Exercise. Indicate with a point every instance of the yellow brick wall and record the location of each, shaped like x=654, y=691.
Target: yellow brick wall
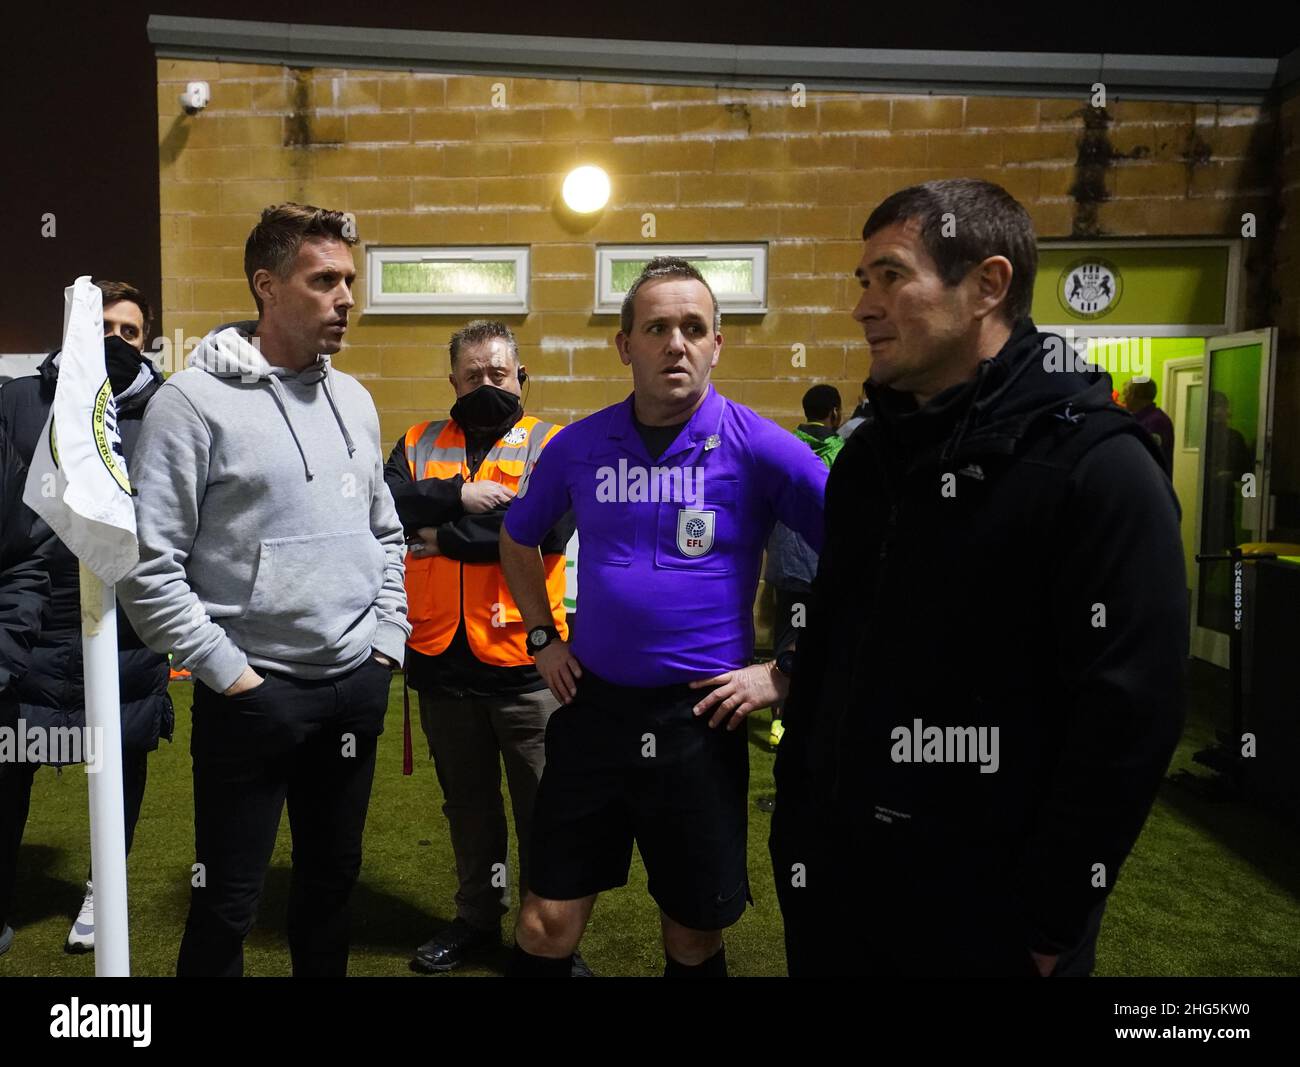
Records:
x=429, y=159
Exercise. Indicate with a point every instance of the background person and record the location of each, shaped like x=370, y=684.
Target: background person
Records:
x=1140, y=399
x=791, y=561
x=24, y=602
x=51, y=695
x=857, y=416
x=481, y=698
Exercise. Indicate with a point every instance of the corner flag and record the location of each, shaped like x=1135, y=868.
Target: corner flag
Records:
x=78, y=481
x=78, y=484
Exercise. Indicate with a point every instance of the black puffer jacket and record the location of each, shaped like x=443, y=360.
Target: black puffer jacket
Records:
x=25, y=542
x=1009, y=556
x=51, y=693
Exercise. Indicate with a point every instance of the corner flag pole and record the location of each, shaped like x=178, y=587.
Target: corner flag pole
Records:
x=107, y=821
x=78, y=483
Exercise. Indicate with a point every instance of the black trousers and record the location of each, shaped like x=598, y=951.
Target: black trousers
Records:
x=15, y=803
x=469, y=738
x=312, y=745
x=806, y=889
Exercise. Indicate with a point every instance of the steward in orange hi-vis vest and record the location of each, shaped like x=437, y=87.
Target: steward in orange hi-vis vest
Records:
x=483, y=705
x=443, y=590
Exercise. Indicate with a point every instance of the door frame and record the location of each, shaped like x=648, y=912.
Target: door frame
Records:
x=1172, y=366
x=1210, y=644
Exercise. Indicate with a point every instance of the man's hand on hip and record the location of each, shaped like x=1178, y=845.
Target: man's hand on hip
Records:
x=740, y=692
x=559, y=670
x=250, y=679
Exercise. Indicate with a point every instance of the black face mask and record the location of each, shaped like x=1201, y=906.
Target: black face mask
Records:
x=487, y=410
x=123, y=363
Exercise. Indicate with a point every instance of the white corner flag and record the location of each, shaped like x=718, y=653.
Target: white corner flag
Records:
x=78, y=484
x=78, y=481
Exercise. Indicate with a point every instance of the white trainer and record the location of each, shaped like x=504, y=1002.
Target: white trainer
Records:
x=81, y=938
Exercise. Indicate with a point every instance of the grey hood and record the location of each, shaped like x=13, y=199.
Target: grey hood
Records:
x=232, y=351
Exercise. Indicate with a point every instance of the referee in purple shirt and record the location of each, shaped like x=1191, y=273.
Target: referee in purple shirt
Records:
x=674, y=492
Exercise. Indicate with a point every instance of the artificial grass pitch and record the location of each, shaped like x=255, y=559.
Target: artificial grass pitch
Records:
x=1212, y=888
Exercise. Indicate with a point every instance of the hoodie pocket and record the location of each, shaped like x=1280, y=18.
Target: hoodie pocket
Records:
x=310, y=592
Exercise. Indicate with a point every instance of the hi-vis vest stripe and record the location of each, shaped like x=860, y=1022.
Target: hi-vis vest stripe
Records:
x=439, y=589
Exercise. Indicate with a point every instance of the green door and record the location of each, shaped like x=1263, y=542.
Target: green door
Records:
x=1234, y=475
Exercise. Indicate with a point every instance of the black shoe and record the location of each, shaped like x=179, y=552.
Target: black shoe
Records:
x=580, y=968
x=452, y=946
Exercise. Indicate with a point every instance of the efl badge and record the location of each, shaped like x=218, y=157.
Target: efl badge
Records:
x=516, y=436
x=695, y=531
x=1090, y=287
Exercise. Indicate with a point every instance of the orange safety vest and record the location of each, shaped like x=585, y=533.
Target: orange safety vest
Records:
x=439, y=590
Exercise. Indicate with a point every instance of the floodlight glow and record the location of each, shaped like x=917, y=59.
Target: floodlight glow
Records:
x=586, y=189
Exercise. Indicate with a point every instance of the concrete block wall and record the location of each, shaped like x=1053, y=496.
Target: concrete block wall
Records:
x=444, y=159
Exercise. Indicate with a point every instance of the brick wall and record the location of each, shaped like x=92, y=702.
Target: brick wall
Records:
x=423, y=158
x=1282, y=309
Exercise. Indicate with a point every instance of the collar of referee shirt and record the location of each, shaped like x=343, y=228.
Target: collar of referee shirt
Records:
x=702, y=426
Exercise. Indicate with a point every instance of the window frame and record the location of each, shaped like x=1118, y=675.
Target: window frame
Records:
x=607, y=302
x=381, y=303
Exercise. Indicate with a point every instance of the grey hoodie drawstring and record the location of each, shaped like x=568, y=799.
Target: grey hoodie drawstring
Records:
x=277, y=390
x=227, y=351
x=329, y=395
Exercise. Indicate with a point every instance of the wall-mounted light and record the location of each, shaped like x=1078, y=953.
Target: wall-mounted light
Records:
x=196, y=97
x=586, y=189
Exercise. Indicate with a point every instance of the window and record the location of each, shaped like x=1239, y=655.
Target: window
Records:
x=447, y=281
x=736, y=273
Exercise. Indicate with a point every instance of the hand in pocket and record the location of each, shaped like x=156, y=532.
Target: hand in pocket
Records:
x=245, y=683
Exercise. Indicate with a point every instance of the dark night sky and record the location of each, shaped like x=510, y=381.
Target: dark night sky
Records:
x=80, y=111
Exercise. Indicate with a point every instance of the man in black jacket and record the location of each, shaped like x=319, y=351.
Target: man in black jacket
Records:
x=990, y=685
x=50, y=695
x=24, y=601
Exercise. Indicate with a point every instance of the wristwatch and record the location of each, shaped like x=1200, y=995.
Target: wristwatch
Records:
x=785, y=662
x=541, y=636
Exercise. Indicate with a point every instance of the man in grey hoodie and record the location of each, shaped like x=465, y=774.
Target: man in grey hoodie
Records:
x=271, y=563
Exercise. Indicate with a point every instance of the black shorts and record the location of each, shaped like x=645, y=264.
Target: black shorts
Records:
x=629, y=764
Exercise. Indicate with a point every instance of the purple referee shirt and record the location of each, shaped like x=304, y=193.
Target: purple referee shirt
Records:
x=669, y=549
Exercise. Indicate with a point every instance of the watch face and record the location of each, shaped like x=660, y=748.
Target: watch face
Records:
x=537, y=638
